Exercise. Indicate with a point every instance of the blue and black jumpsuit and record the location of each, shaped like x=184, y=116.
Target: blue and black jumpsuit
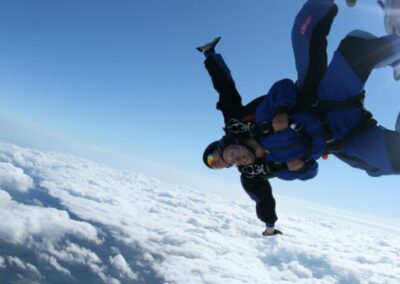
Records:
x=230, y=103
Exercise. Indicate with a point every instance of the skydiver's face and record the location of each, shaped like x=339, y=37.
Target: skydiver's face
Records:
x=238, y=155
x=218, y=162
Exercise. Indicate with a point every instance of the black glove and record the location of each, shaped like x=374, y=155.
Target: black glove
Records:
x=271, y=232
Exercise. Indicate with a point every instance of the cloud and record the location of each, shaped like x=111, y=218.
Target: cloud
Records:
x=121, y=265
x=20, y=223
x=123, y=226
x=13, y=178
x=15, y=261
x=53, y=262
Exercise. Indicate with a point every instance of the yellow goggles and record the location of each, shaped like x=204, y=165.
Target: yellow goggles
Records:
x=211, y=160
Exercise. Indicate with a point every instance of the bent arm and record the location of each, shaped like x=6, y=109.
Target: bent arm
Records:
x=281, y=98
x=309, y=171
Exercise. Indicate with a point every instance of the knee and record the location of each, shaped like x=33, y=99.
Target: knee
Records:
x=360, y=34
x=354, y=40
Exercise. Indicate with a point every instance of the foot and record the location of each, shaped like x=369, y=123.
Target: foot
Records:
x=396, y=70
x=392, y=16
x=351, y=3
x=209, y=46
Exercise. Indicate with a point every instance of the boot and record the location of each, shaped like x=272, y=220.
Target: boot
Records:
x=391, y=9
x=209, y=47
x=351, y=3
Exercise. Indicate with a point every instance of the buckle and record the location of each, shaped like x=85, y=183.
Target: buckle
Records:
x=329, y=140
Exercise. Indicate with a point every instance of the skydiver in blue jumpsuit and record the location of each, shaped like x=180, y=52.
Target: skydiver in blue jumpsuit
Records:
x=372, y=148
x=254, y=180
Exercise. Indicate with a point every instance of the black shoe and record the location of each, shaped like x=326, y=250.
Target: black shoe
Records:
x=351, y=3
x=209, y=46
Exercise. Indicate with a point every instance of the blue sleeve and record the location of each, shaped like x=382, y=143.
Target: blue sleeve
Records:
x=281, y=98
x=310, y=171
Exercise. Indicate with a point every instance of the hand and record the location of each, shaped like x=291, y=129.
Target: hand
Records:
x=280, y=121
x=271, y=232
x=295, y=165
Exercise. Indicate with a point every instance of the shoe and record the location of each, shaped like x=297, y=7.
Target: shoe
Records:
x=392, y=16
x=209, y=46
x=351, y=3
x=396, y=70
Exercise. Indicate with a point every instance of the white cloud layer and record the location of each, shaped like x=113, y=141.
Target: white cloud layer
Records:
x=13, y=178
x=87, y=222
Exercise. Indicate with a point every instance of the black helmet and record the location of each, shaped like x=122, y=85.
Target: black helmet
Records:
x=218, y=145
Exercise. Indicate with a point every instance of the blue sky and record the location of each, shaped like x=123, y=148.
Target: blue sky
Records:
x=124, y=76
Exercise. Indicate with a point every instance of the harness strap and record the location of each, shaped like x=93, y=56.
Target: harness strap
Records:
x=321, y=107
x=366, y=122
x=327, y=131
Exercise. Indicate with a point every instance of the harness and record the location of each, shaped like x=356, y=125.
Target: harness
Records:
x=321, y=108
x=245, y=129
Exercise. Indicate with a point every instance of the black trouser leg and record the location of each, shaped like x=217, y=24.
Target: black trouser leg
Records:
x=261, y=192
x=230, y=102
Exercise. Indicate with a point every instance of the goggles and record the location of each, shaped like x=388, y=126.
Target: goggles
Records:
x=211, y=160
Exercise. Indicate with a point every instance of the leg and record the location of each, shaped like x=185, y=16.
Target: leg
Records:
x=261, y=192
x=363, y=52
x=309, y=32
x=360, y=164
x=378, y=148
x=230, y=102
x=357, y=55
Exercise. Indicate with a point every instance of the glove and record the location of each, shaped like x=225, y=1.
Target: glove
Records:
x=271, y=232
